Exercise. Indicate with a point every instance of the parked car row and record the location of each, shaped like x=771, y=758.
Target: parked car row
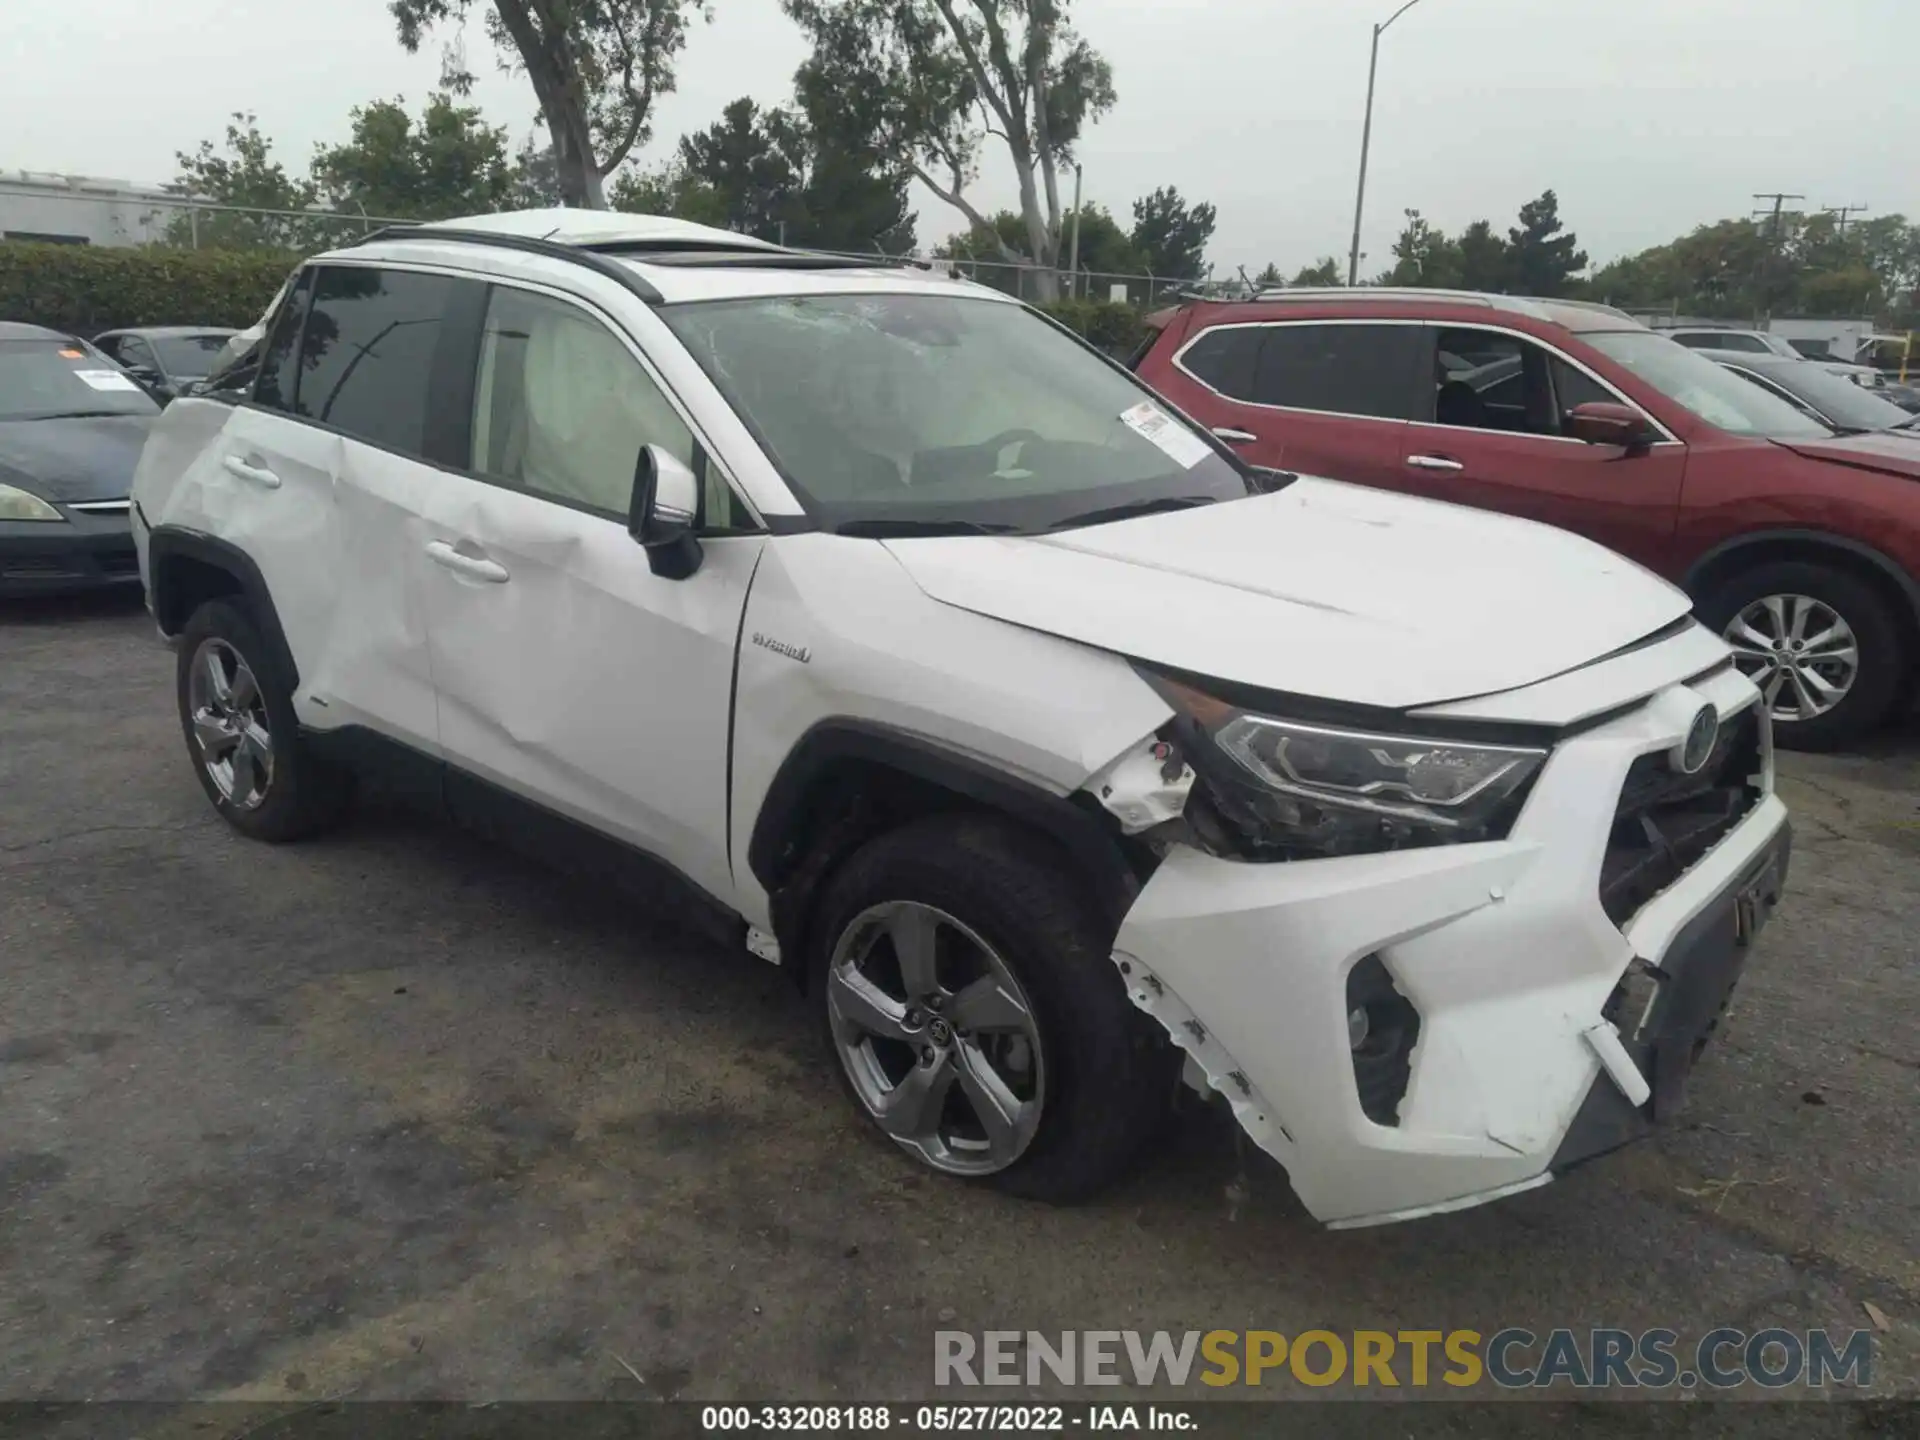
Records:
x=1722, y=492
x=167, y=360
x=1799, y=544
x=1759, y=342
x=74, y=415
x=72, y=424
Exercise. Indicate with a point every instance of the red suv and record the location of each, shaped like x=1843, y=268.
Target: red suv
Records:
x=1799, y=544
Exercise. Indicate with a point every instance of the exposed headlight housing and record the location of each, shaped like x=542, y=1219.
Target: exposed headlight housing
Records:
x=18, y=504
x=1313, y=788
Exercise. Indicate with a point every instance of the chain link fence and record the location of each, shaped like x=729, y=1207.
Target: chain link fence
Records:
x=74, y=211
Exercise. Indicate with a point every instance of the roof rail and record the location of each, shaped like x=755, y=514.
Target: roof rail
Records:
x=1535, y=306
x=719, y=257
x=601, y=257
x=621, y=275
x=1597, y=307
x=1378, y=292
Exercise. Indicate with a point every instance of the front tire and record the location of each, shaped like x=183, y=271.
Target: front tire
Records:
x=1823, y=645
x=236, y=711
x=974, y=1013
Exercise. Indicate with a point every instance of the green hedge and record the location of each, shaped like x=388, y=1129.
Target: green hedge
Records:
x=87, y=289
x=1115, y=328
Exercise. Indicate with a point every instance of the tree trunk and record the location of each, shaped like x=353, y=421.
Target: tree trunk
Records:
x=556, y=85
x=581, y=187
x=1043, y=234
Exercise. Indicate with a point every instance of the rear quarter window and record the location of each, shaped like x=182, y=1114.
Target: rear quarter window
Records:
x=1225, y=358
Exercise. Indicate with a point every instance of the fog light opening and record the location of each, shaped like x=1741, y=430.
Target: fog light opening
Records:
x=1382, y=1028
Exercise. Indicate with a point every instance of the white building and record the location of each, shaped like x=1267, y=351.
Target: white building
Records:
x=82, y=210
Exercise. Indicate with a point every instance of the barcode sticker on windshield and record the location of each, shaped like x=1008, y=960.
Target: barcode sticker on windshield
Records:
x=106, y=379
x=1175, y=441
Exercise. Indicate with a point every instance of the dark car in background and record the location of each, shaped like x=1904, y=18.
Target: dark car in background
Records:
x=1840, y=404
x=167, y=359
x=71, y=430
x=1799, y=545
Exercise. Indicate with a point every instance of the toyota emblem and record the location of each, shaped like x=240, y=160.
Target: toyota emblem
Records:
x=1702, y=735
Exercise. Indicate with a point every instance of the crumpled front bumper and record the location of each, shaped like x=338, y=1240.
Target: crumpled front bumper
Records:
x=1509, y=959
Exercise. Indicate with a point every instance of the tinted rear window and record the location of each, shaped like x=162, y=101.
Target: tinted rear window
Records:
x=1343, y=369
x=367, y=353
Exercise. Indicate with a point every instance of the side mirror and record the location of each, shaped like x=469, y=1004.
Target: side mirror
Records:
x=662, y=512
x=1600, y=422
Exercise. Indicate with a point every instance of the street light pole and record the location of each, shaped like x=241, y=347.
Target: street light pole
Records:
x=1366, y=137
x=1073, y=260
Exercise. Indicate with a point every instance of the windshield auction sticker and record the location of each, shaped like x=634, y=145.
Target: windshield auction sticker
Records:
x=106, y=379
x=1173, y=439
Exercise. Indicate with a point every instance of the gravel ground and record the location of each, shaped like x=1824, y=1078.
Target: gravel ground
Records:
x=397, y=1115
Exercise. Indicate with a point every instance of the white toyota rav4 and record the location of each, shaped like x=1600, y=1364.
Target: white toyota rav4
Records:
x=1057, y=755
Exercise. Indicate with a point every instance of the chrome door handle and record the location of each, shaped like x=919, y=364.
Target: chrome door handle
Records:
x=1233, y=436
x=252, y=474
x=472, y=566
x=1434, y=462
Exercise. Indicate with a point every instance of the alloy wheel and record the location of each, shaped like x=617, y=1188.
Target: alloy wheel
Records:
x=1800, y=652
x=230, y=727
x=937, y=1036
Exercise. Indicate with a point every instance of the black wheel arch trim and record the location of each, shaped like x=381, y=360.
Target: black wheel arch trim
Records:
x=1815, y=539
x=165, y=542
x=1095, y=850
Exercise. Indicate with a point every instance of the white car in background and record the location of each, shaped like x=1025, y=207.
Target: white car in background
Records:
x=1054, y=752
x=1759, y=342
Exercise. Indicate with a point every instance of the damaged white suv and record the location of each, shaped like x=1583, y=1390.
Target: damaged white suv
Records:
x=1056, y=754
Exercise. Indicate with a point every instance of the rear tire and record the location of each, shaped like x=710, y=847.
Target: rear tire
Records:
x=1002, y=903
x=1765, y=611
x=236, y=711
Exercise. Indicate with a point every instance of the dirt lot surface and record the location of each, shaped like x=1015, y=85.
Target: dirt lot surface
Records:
x=397, y=1114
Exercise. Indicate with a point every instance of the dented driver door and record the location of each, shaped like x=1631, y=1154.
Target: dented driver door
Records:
x=569, y=674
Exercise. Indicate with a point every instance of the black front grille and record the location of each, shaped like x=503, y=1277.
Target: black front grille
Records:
x=1666, y=820
x=119, y=562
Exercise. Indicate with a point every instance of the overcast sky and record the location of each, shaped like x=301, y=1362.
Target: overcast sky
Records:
x=1647, y=116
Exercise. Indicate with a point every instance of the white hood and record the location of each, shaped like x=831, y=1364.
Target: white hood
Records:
x=1323, y=589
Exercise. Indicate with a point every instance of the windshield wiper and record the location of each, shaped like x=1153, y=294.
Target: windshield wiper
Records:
x=1133, y=510
x=877, y=529
x=82, y=415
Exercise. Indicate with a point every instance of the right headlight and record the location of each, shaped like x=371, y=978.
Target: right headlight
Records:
x=18, y=504
x=1320, y=789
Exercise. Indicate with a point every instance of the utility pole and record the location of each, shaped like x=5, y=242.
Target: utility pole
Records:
x=1779, y=199
x=1770, y=260
x=1840, y=214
